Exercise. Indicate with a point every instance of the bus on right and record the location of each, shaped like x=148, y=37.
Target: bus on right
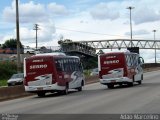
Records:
x=120, y=68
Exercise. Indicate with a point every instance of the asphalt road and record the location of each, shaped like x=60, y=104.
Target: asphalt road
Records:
x=94, y=99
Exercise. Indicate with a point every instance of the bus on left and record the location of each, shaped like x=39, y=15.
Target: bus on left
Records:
x=53, y=73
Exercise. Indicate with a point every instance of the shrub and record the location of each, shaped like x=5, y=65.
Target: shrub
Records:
x=7, y=69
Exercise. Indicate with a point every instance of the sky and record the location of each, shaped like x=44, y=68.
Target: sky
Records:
x=61, y=19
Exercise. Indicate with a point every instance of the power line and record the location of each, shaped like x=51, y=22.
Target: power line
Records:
x=87, y=32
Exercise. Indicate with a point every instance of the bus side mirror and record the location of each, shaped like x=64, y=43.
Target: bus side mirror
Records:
x=140, y=60
x=80, y=67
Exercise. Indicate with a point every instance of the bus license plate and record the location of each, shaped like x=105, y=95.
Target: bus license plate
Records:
x=40, y=88
x=113, y=81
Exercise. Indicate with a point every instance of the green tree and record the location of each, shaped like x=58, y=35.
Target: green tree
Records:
x=90, y=63
x=11, y=43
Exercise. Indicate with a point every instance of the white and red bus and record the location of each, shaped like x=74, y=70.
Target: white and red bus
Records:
x=49, y=73
x=120, y=68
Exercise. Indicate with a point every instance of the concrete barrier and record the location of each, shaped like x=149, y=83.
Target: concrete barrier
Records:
x=12, y=92
x=150, y=65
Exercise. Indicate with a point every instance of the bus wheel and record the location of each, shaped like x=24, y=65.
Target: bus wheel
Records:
x=130, y=84
x=28, y=52
x=142, y=77
x=139, y=82
x=41, y=94
x=65, y=92
x=110, y=86
x=80, y=88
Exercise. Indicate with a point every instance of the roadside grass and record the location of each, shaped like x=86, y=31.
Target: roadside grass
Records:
x=87, y=73
x=7, y=69
x=3, y=83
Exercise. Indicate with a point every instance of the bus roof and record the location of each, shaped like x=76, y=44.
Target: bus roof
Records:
x=55, y=55
x=51, y=54
x=127, y=52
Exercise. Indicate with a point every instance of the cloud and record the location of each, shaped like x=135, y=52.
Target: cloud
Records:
x=28, y=12
x=9, y=13
x=81, y=19
x=145, y=14
x=44, y=34
x=142, y=13
x=6, y=37
x=84, y=1
x=33, y=12
x=1, y=39
x=149, y=55
x=56, y=9
x=138, y=32
x=104, y=11
x=145, y=11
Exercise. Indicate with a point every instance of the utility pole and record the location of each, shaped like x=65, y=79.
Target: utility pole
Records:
x=130, y=8
x=18, y=39
x=36, y=28
x=154, y=31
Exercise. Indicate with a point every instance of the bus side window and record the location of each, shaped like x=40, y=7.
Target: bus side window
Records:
x=128, y=59
x=65, y=65
x=58, y=66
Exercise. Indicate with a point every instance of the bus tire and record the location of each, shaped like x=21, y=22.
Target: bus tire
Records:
x=41, y=94
x=142, y=77
x=110, y=86
x=28, y=52
x=80, y=88
x=130, y=84
x=139, y=82
x=120, y=84
x=65, y=92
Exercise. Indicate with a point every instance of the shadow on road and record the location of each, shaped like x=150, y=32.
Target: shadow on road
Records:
x=153, y=84
x=102, y=89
